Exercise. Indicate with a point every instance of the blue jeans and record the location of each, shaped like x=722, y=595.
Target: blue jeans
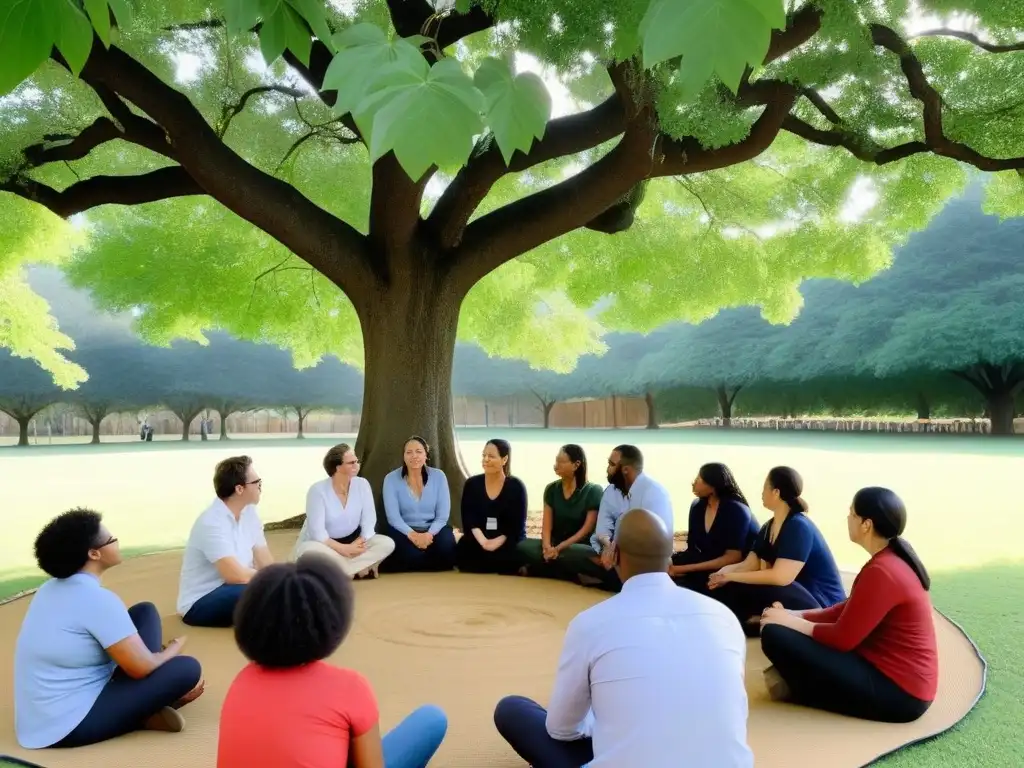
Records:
x=521, y=722
x=215, y=609
x=125, y=703
x=412, y=742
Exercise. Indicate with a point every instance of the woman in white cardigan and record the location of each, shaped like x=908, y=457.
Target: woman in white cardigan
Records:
x=341, y=517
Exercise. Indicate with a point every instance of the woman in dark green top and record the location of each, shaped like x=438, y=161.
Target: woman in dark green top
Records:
x=570, y=514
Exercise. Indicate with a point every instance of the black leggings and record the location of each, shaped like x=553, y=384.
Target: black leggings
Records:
x=836, y=681
x=125, y=704
x=748, y=601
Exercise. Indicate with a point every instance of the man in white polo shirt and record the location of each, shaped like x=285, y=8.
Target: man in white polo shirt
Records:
x=651, y=677
x=629, y=487
x=225, y=548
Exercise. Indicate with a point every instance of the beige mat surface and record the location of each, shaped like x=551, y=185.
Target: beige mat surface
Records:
x=463, y=641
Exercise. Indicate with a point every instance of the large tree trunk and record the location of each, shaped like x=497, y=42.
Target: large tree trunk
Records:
x=223, y=425
x=23, y=430
x=409, y=333
x=999, y=385
x=725, y=401
x=547, y=413
x=924, y=411
x=652, y=414
x=96, y=430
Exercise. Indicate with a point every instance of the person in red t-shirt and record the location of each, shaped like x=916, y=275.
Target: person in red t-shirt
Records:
x=289, y=708
x=874, y=655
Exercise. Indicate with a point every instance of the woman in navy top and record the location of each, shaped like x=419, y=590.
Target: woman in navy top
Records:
x=721, y=530
x=493, y=515
x=790, y=563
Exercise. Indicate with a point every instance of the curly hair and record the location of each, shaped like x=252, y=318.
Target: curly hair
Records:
x=62, y=547
x=292, y=614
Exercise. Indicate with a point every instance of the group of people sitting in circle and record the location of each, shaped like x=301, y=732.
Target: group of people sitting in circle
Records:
x=88, y=668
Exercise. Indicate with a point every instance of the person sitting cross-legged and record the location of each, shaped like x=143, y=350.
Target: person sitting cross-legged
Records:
x=790, y=563
x=651, y=677
x=873, y=656
x=86, y=668
x=341, y=517
x=570, y=515
x=288, y=707
x=629, y=487
x=418, y=503
x=225, y=547
x=493, y=515
x=721, y=528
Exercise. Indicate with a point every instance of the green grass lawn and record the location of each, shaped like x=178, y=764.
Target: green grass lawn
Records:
x=965, y=497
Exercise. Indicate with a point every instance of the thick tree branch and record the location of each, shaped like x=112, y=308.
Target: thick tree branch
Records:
x=269, y=203
x=394, y=212
x=564, y=136
x=514, y=229
x=800, y=27
x=93, y=192
x=57, y=148
x=856, y=145
x=931, y=101
x=972, y=38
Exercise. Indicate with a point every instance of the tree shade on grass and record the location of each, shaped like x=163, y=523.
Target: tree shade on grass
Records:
x=313, y=180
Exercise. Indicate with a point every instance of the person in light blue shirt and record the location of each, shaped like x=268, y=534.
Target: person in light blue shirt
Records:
x=629, y=487
x=417, y=503
x=86, y=668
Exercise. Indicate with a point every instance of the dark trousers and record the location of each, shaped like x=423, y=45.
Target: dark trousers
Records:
x=836, y=681
x=520, y=721
x=470, y=557
x=216, y=609
x=748, y=601
x=439, y=556
x=125, y=704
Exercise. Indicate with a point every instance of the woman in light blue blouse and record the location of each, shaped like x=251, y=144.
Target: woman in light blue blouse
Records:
x=417, y=503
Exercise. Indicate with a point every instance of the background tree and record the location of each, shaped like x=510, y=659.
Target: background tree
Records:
x=117, y=382
x=659, y=97
x=25, y=390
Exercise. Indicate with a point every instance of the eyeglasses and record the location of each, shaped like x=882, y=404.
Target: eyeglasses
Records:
x=258, y=481
x=107, y=543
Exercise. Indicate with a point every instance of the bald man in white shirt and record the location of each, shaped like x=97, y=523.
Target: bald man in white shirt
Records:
x=652, y=677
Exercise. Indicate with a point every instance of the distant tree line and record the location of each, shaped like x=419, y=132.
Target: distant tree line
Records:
x=938, y=334
x=226, y=376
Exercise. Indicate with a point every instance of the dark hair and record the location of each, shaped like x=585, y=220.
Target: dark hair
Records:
x=335, y=457
x=504, y=449
x=292, y=614
x=62, y=547
x=426, y=449
x=888, y=516
x=631, y=457
x=722, y=482
x=229, y=474
x=790, y=485
x=576, y=454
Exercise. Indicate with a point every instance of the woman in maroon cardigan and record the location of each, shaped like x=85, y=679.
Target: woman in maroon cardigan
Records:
x=874, y=655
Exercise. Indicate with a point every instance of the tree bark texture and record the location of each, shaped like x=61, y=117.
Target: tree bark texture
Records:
x=652, y=414
x=725, y=402
x=23, y=430
x=999, y=385
x=409, y=332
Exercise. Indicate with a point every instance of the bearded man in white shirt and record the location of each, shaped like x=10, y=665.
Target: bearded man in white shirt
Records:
x=652, y=677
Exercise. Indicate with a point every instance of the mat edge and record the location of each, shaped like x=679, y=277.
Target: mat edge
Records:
x=981, y=694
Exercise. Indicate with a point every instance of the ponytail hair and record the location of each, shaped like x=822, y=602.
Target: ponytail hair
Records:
x=504, y=449
x=888, y=516
x=790, y=485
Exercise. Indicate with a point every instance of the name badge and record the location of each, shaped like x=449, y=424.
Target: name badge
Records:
x=492, y=523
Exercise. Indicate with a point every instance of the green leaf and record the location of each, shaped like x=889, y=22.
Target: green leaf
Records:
x=363, y=51
x=314, y=14
x=518, y=106
x=274, y=35
x=296, y=34
x=26, y=36
x=122, y=12
x=74, y=35
x=462, y=6
x=425, y=115
x=99, y=13
x=721, y=37
x=241, y=15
